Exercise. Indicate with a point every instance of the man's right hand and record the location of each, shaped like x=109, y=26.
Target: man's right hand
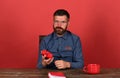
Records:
x=45, y=61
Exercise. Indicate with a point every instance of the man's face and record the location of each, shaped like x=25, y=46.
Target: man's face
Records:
x=60, y=24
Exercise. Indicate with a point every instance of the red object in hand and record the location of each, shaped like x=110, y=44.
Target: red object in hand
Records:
x=43, y=52
x=47, y=54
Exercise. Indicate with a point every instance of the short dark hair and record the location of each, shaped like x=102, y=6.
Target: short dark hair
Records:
x=61, y=12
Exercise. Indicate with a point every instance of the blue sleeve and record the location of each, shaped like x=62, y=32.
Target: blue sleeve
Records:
x=41, y=47
x=77, y=56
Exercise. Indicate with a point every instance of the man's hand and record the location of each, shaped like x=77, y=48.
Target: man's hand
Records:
x=46, y=62
x=60, y=64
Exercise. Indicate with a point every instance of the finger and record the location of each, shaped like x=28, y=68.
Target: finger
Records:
x=60, y=67
x=57, y=61
x=52, y=59
x=48, y=61
x=43, y=57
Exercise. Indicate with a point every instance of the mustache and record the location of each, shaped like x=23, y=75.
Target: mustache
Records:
x=58, y=28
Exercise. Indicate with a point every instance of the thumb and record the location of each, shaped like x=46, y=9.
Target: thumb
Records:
x=43, y=57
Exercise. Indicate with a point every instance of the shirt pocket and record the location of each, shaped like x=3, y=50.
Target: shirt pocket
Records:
x=67, y=53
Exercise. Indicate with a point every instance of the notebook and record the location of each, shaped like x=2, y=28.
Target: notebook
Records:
x=56, y=75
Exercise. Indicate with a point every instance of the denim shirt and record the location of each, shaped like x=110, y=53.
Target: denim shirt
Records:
x=67, y=48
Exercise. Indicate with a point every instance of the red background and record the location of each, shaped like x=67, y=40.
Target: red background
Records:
x=97, y=22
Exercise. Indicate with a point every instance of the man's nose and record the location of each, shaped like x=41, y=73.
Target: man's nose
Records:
x=59, y=24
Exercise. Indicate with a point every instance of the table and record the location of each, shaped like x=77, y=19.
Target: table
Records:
x=69, y=73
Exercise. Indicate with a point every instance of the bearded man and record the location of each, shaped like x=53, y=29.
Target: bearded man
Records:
x=62, y=44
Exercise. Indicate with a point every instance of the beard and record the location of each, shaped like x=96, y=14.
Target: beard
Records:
x=59, y=30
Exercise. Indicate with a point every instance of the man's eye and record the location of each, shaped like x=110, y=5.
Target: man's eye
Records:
x=63, y=21
x=56, y=21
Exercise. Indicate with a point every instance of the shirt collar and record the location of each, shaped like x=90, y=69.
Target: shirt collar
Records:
x=64, y=36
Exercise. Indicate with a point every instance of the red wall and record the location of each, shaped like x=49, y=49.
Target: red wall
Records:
x=97, y=22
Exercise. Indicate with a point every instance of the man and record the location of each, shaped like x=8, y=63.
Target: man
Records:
x=64, y=45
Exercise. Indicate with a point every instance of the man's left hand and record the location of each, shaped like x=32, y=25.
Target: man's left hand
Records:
x=60, y=64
